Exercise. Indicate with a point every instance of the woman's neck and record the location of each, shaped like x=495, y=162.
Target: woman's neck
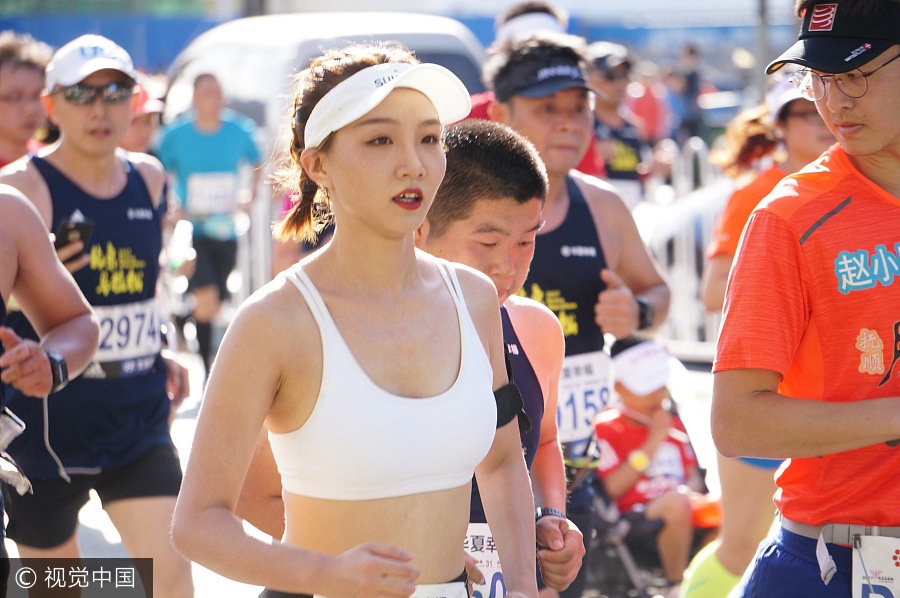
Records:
x=371, y=263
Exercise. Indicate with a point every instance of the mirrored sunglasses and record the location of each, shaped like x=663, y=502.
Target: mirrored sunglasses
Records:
x=82, y=95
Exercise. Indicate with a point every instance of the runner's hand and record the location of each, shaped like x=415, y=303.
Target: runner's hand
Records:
x=25, y=365
x=561, y=551
x=70, y=251
x=473, y=572
x=616, y=311
x=178, y=384
x=371, y=569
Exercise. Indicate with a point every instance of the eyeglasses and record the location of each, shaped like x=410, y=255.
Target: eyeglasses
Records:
x=82, y=95
x=853, y=84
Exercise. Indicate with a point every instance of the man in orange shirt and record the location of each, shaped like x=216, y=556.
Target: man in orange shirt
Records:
x=807, y=361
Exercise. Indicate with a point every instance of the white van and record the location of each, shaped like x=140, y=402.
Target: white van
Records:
x=254, y=59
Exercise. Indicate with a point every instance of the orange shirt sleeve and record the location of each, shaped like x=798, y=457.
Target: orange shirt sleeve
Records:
x=737, y=211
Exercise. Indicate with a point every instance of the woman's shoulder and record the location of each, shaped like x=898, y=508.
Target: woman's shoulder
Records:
x=278, y=308
x=476, y=286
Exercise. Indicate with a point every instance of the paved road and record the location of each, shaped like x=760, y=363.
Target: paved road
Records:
x=98, y=538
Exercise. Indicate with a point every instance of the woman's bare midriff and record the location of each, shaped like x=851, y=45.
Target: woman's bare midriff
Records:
x=431, y=526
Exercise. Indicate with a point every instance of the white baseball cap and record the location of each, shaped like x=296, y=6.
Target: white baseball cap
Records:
x=643, y=368
x=83, y=57
x=782, y=93
x=358, y=95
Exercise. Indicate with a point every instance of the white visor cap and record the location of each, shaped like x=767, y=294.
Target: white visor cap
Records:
x=643, y=368
x=356, y=96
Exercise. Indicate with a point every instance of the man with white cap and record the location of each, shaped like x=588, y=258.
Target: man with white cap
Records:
x=107, y=430
x=646, y=461
x=807, y=362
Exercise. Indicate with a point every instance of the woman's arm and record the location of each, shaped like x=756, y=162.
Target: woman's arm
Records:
x=245, y=386
x=239, y=394
x=260, y=501
x=715, y=279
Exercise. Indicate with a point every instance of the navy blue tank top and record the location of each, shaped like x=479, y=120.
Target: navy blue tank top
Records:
x=117, y=409
x=533, y=397
x=624, y=162
x=565, y=274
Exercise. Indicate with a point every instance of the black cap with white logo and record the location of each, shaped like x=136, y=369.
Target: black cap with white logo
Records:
x=833, y=42
x=540, y=77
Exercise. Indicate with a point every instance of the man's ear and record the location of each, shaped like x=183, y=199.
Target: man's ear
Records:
x=421, y=234
x=499, y=112
x=313, y=162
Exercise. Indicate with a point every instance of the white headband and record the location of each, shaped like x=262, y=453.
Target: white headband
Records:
x=524, y=26
x=643, y=368
x=359, y=94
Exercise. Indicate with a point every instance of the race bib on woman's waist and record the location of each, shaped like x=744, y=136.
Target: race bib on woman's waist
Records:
x=211, y=193
x=130, y=339
x=584, y=389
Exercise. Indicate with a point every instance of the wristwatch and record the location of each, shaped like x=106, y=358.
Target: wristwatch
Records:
x=544, y=511
x=58, y=370
x=646, y=313
x=639, y=460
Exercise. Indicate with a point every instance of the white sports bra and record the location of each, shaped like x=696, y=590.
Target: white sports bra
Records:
x=362, y=442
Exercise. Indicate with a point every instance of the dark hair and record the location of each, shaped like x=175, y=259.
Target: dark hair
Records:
x=203, y=77
x=485, y=160
x=304, y=221
x=624, y=343
x=532, y=7
x=22, y=50
x=542, y=46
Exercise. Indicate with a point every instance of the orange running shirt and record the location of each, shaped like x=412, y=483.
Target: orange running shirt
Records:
x=815, y=292
x=738, y=209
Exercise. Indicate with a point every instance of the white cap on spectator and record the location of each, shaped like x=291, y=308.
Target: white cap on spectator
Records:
x=83, y=57
x=782, y=93
x=643, y=368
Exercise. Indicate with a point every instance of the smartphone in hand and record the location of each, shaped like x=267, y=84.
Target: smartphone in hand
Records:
x=70, y=232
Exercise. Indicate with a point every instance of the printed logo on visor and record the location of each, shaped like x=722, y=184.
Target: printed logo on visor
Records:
x=822, y=18
x=858, y=51
x=561, y=70
x=382, y=81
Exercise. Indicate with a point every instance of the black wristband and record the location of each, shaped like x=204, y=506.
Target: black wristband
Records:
x=646, y=313
x=544, y=511
x=59, y=371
